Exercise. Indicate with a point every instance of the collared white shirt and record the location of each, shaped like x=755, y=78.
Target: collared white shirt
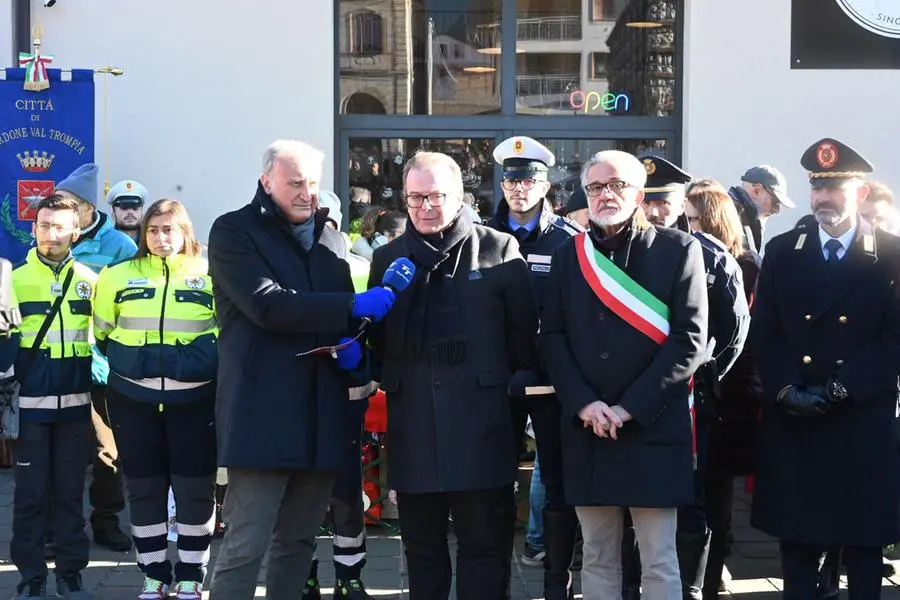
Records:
x=845, y=241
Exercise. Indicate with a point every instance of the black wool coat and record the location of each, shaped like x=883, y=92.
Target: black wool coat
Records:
x=830, y=479
x=273, y=301
x=592, y=354
x=450, y=426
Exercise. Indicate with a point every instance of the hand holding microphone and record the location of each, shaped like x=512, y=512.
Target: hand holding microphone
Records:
x=374, y=304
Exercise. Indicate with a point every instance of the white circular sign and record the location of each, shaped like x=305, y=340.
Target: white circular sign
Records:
x=881, y=17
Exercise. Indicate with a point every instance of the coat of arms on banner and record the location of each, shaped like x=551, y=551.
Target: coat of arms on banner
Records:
x=30, y=192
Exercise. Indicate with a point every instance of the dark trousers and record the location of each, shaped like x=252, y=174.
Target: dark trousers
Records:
x=348, y=518
x=176, y=447
x=106, y=491
x=545, y=412
x=719, y=506
x=800, y=570
x=50, y=462
x=479, y=522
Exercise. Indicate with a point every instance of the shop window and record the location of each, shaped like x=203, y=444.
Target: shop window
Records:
x=364, y=33
x=631, y=48
x=429, y=57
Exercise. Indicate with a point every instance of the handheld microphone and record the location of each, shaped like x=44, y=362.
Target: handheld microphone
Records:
x=396, y=278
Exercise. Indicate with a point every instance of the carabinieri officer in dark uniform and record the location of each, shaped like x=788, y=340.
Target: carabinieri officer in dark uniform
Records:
x=827, y=326
x=728, y=326
x=525, y=213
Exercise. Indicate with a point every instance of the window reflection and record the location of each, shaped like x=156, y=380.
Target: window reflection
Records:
x=434, y=57
x=622, y=61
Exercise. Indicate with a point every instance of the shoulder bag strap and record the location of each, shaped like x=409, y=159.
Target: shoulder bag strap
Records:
x=45, y=326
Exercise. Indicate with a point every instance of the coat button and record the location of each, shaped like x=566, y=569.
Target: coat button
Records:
x=839, y=363
x=808, y=317
x=842, y=320
x=438, y=383
x=604, y=355
x=807, y=360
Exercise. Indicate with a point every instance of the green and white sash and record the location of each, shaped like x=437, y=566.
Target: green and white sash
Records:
x=622, y=294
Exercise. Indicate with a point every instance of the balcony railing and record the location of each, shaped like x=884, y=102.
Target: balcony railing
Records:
x=549, y=28
x=546, y=91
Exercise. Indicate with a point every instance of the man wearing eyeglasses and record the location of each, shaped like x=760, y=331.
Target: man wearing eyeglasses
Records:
x=525, y=213
x=623, y=329
x=449, y=348
x=762, y=193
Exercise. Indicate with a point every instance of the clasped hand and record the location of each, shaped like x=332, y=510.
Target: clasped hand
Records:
x=605, y=420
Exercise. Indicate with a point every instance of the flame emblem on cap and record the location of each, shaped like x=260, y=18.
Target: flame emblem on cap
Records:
x=827, y=155
x=649, y=166
x=518, y=147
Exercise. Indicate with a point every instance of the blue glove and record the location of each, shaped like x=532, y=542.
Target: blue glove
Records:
x=374, y=303
x=99, y=367
x=348, y=358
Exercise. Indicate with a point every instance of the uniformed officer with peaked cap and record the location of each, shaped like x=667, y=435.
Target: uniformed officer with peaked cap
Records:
x=525, y=213
x=827, y=332
x=664, y=193
x=127, y=199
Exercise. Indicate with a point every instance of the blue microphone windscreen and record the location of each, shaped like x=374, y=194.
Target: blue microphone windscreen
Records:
x=399, y=275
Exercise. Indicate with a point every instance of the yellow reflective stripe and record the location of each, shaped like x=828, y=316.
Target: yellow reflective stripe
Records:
x=102, y=324
x=51, y=402
x=156, y=383
x=55, y=337
x=170, y=324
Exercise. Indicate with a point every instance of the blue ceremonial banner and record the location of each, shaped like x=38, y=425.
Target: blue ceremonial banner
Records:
x=44, y=136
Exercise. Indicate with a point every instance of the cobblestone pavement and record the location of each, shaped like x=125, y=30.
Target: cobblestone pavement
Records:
x=754, y=567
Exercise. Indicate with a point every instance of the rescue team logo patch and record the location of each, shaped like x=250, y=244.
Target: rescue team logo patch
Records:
x=83, y=289
x=649, y=166
x=195, y=283
x=827, y=155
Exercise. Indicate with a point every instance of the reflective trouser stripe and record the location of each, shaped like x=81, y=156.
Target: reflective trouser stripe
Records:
x=156, y=383
x=55, y=401
x=361, y=392
x=169, y=324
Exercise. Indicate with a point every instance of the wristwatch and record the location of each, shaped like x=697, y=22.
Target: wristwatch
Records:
x=836, y=391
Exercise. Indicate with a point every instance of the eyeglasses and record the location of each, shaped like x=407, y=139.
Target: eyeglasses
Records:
x=615, y=187
x=510, y=184
x=417, y=200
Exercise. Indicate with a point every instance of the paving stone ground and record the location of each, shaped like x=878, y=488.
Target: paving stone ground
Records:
x=754, y=567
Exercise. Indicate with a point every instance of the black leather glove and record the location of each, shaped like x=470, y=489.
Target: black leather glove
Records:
x=803, y=401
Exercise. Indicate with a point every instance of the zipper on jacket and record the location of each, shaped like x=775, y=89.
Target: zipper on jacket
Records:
x=62, y=339
x=162, y=322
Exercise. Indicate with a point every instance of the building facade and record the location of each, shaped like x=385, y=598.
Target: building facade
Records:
x=709, y=84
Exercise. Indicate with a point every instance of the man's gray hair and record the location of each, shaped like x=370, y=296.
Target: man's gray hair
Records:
x=628, y=166
x=303, y=152
x=428, y=160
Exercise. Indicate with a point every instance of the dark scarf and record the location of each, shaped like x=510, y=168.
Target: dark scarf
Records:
x=305, y=235
x=91, y=230
x=435, y=324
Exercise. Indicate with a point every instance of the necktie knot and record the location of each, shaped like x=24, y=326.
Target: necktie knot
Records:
x=522, y=234
x=831, y=247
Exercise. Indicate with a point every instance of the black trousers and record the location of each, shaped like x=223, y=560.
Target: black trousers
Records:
x=719, y=507
x=50, y=462
x=348, y=518
x=546, y=412
x=480, y=526
x=106, y=492
x=158, y=448
x=800, y=570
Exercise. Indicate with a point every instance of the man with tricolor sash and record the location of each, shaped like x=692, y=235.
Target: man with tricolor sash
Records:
x=623, y=329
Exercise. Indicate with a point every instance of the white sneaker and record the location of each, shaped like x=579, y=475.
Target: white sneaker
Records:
x=188, y=590
x=153, y=590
